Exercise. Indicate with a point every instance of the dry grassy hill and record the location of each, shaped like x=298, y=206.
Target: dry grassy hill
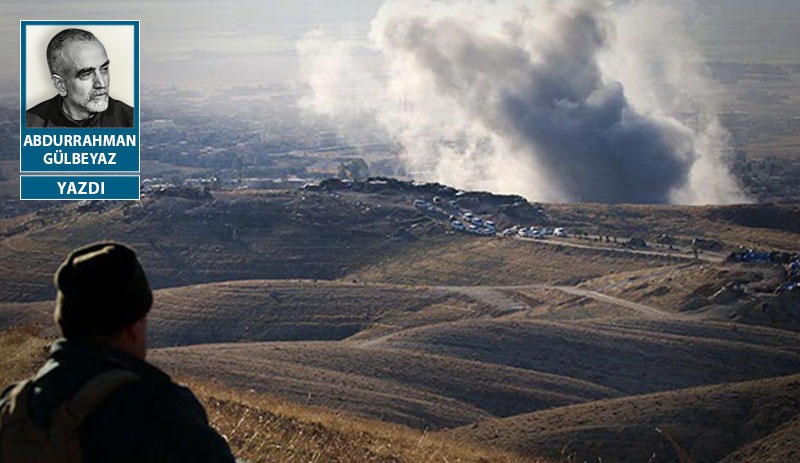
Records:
x=34, y=315
x=630, y=360
x=188, y=241
x=464, y=260
x=263, y=429
x=457, y=372
x=731, y=291
x=280, y=310
x=373, y=235
x=748, y=421
x=421, y=390
x=760, y=226
x=285, y=310
x=353, y=299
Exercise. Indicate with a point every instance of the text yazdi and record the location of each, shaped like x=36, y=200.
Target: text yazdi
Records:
x=81, y=188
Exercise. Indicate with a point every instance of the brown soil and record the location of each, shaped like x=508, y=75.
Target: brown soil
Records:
x=699, y=425
x=357, y=301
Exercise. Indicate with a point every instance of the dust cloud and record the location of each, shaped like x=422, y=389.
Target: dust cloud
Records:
x=554, y=100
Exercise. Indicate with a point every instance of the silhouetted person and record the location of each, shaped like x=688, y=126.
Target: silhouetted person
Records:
x=96, y=399
x=80, y=72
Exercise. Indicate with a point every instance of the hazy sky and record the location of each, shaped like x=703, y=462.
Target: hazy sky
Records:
x=245, y=41
x=201, y=43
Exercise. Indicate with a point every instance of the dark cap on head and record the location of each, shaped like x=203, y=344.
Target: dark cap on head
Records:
x=101, y=289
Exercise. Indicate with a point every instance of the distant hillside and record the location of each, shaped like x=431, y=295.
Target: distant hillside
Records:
x=374, y=232
x=278, y=310
x=283, y=310
x=401, y=386
x=454, y=373
x=187, y=241
x=611, y=353
x=732, y=291
x=760, y=226
x=508, y=261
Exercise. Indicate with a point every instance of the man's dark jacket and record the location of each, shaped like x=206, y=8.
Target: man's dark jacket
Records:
x=153, y=420
x=49, y=114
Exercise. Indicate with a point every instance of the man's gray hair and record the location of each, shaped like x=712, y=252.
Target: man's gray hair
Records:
x=59, y=41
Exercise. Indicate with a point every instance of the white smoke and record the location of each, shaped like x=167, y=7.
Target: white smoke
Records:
x=553, y=100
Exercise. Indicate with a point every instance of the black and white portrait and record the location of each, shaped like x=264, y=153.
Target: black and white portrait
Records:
x=69, y=73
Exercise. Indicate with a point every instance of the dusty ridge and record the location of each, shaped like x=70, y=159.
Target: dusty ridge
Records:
x=421, y=390
x=274, y=310
x=633, y=361
x=261, y=428
x=188, y=241
x=770, y=226
x=37, y=315
x=466, y=261
x=647, y=311
x=709, y=330
x=754, y=419
x=731, y=291
x=779, y=446
x=458, y=372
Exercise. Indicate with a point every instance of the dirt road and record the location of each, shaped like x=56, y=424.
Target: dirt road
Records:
x=677, y=253
x=647, y=311
x=498, y=297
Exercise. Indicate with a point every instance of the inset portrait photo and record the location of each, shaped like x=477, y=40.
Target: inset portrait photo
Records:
x=77, y=75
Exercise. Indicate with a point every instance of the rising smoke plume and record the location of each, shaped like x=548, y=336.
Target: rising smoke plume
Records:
x=554, y=100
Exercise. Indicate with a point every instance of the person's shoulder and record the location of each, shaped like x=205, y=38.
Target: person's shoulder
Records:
x=117, y=105
x=147, y=400
x=118, y=114
x=34, y=119
x=115, y=102
x=176, y=397
x=161, y=401
x=44, y=106
x=164, y=415
x=161, y=391
x=37, y=116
